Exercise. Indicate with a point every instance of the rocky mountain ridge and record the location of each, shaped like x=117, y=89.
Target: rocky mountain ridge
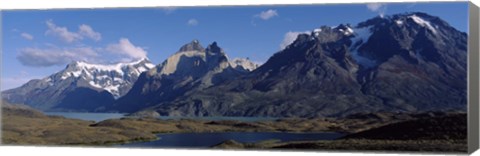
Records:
x=80, y=86
x=410, y=62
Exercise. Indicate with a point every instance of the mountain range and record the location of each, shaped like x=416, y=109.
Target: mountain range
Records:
x=192, y=68
x=79, y=87
x=409, y=62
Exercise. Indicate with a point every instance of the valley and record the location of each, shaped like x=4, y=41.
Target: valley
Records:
x=24, y=126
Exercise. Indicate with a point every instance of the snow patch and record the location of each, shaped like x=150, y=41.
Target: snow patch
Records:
x=349, y=31
x=99, y=67
x=118, y=68
x=317, y=31
x=114, y=89
x=116, y=79
x=361, y=37
x=93, y=84
x=423, y=23
x=142, y=69
x=49, y=81
x=399, y=22
x=149, y=65
x=345, y=31
x=71, y=74
x=101, y=77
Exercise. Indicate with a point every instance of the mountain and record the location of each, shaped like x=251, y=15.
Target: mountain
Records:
x=190, y=69
x=409, y=62
x=79, y=87
x=243, y=64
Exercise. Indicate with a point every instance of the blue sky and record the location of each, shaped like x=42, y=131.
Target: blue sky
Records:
x=37, y=43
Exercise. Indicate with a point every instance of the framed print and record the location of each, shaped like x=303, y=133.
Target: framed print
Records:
x=390, y=77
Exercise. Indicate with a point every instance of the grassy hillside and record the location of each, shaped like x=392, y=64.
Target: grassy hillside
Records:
x=24, y=126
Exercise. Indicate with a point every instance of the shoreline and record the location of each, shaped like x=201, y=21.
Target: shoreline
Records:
x=25, y=126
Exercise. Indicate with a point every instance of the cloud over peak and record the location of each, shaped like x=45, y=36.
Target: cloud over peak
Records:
x=125, y=48
x=379, y=8
x=290, y=37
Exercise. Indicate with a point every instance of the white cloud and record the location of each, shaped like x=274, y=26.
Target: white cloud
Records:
x=27, y=36
x=266, y=15
x=374, y=6
x=125, y=48
x=38, y=57
x=169, y=10
x=192, y=22
x=61, y=32
x=67, y=36
x=52, y=55
x=87, y=31
x=379, y=8
x=290, y=37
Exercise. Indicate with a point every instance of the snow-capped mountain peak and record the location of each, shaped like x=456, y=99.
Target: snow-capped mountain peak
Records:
x=360, y=47
x=81, y=86
x=76, y=68
x=114, y=78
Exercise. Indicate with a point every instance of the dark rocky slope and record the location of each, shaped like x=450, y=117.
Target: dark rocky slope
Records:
x=410, y=62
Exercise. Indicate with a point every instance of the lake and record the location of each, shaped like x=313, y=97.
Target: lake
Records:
x=87, y=116
x=203, y=140
x=206, y=140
